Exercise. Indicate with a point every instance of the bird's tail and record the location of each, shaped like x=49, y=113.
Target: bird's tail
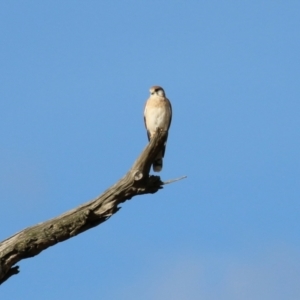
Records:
x=158, y=164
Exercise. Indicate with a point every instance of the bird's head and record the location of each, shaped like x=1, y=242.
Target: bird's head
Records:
x=157, y=90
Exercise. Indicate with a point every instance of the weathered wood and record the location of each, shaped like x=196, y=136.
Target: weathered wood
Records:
x=33, y=240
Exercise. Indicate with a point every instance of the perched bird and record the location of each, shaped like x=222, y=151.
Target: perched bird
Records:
x=157, y=114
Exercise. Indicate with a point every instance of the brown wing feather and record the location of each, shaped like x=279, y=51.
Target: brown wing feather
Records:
x=148, y=133
x=170, y=111
x=164, y=147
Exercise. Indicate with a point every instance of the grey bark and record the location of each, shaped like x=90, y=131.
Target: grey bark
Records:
x=33, y=240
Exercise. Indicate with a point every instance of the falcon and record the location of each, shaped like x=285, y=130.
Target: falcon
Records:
x=157, y=114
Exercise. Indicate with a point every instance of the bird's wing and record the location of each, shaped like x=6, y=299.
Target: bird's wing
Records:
x=145, y=110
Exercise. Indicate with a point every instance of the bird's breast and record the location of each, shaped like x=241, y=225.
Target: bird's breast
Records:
x=157, y=116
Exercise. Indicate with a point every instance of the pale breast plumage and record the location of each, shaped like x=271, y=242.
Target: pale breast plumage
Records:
x=157, y=115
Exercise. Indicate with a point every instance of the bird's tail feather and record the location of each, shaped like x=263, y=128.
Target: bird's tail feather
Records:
x=157, y=165
x=158, y=162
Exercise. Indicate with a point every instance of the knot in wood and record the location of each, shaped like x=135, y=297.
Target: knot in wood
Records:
x=138, y=175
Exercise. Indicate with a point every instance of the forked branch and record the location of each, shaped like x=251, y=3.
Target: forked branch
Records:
x=33, y=240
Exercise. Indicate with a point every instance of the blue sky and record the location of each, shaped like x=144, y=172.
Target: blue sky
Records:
x=74, y=78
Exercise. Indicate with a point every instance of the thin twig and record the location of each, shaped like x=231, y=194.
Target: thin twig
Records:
x=173, y=180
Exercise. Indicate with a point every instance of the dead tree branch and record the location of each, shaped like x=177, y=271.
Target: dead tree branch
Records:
x=33, y=240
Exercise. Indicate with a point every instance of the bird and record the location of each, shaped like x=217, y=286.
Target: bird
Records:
x=157, y=114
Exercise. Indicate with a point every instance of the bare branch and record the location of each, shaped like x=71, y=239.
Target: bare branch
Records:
x=174, y=180
x=33, y=240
